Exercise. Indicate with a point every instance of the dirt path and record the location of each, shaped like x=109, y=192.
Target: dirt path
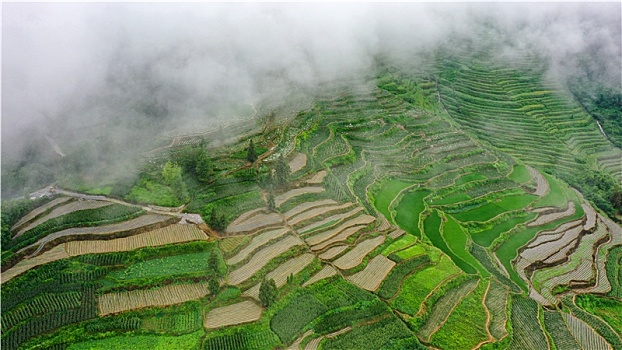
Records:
x=490, y=337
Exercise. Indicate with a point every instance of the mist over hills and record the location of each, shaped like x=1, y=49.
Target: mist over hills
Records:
x=111, y=78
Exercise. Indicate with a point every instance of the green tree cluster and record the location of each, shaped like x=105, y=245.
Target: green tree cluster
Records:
x=282, y=172
x=252, y=155
x=267, y=292
x=172, y=177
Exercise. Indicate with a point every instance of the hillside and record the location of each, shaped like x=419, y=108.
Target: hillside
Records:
x=462, y=206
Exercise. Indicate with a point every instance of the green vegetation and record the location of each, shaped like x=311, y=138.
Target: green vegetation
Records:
x=370, y=336
x=487, y=237
x=386, y=192
x=189, y=341
x=614, y=271
x=170, y=265
x=291, y=319
x=391, y=285
x=490, y=210
x=416, y=287
x=241, y=338
x=457, y=242
x=442, y=153
x=402, y=242
x=466, y=326
x=267, y=292
x=606, y=308
x=432, y=231
x=408, y=209
x=520, y=174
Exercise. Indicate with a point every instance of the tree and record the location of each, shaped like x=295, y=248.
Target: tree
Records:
x=171, y=173
x=204, y=167
x=212, y=262
x=213, y=285
x=282, y=171
x=217, y=220
x=271, y=203
x=252, y=155
x=171, y=176
x=267, y=292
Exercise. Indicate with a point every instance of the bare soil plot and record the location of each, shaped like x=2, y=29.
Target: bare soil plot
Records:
x=168, y=295
x=299, y=162
x=333, y=252
x=38, y=211
x=550, y=217
x=64, y=209
x=296, y=192
x=306, y=206
x=331, y=219
x=310, y=214
x=355, y=256
x=255, y=243
x=261, y=258
x=326, y=272
x=374, y=273
x=53, y=254
x=255, y=223
x=323, y=236
x=548, y=236
x=318, y=178
x=542, y=186
x=104, y=230
x=171, y=234
x=243, y=312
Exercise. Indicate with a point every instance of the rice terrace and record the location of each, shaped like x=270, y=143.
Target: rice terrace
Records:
x=461, y=199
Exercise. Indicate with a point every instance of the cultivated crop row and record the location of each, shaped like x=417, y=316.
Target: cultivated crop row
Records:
x=281, y=273
x=171, y=234
x=356, y=255
x=443, y=308
x=329, y=221
x=527, y=333
x=547, y=218
x=306, y=206
x=496, y=301
x=326, y=272
x=310, y=214
x=38, y=211
x=168, y=295
x=374, y=273
x=280, y=199
x=584, y=334
x=332, y=252
x=105, y=230
x=261, y=258
x=255, y=243
x=326, y=235
x=242, y=312
x=63, y=210
x=255, y=223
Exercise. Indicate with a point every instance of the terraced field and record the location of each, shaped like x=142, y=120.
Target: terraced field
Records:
x=426, y=209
